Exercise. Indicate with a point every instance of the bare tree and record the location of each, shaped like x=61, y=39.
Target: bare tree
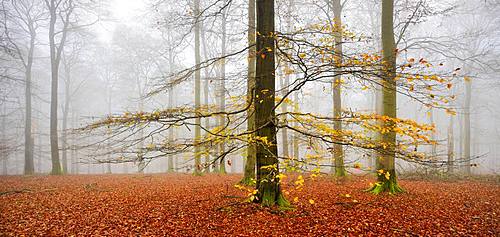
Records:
x=21, y=20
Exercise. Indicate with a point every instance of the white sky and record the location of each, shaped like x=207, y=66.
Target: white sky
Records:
x=126, y=9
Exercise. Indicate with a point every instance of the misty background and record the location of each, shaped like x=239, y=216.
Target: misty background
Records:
x=116, y=52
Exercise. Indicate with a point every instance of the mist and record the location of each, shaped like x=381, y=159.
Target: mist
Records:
x=107, y=90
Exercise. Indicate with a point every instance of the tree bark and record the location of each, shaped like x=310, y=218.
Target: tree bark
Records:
x=64, y=136
x=197, y=89
x=54, y=61
x=170, y=157
x=467, y=135
x=222, y=91
x=206, y=92
x=451, y=146
x=4, y=142
x=387, y=180
x=338, y=151
x=284, y=133
x=29, y=166
x=249, y=169
x=268, y=184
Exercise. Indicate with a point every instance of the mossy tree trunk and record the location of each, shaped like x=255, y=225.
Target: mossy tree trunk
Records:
x=387, y=180
x=268, y=184
x=249, y=169
x=338, y=151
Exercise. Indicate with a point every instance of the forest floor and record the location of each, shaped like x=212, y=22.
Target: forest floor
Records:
x=210, y=205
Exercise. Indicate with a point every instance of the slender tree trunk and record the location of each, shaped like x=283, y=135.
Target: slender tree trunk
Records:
x=338, y=151
x=54, y=61
x=284, y=133
x=64, y=136
x=142, y=163
x=197, y=85
x=4, y=141
x=222, y=90
x=451, y=146
x=39, y=138
x=206, y=91
x=268, y=184
x=29, y=166
x=296, y=145
x=72, y=163
x=387, y=180
x=110, y=100
x=170, y=157
x=467, y=135
x=249, y=169
x=377, y=96
x=433, y=137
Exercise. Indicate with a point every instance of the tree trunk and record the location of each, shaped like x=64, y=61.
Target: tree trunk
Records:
x=249, y=169
x=54, y=61
x=433, y=136
x=73, y=159
x=110, y=100
x=296, y=145
x=142, y=163
x=268, y=184
x=451, y=146
x=467, y=136
x=4, y=142
x=387, y=180
x=170, y=157
x=338, y=151
x=64, y=136
x=29, y=166
x=206, y=92
x=284, y=133
x=197, y=85
x=222, y=90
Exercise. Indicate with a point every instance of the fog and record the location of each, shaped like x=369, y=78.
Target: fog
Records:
x=125, y=56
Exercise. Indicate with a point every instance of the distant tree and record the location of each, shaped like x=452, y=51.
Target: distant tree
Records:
x=21, y=21
x=59, y=10
x=197, y=87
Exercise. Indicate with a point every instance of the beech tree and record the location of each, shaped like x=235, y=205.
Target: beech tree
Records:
x=197, y=88
x=309, y=52
x=385, y=160
x=267, y=164
x=21, y=20
x=249, y=169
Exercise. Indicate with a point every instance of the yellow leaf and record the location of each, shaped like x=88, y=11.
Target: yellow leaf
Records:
x=348, y=195
x=311, y=201
x=296, y=199
x=387, y=175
